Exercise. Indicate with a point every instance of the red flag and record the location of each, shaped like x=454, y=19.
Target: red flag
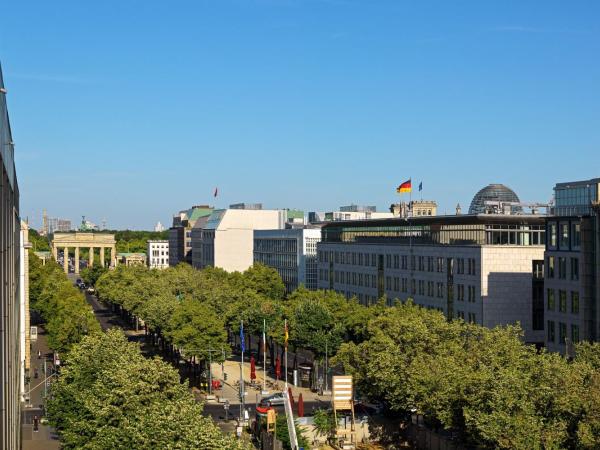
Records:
x=291, y=397
x=216, y=191
x=252, y=368
x=277, y=368
x=300, y=405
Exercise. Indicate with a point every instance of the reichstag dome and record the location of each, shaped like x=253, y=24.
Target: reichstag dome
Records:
x=493, y=192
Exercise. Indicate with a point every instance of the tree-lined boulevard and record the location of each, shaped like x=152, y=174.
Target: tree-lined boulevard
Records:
x=483, y=385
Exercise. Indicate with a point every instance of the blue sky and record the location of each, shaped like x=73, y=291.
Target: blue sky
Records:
x=133, y=110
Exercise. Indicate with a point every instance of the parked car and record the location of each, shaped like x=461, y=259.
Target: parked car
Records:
x=273, y=400
x=90, y=290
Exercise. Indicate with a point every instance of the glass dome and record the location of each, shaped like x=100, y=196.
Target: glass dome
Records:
x=493, y=192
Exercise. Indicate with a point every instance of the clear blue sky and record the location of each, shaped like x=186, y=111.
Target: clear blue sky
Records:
x=133, y=110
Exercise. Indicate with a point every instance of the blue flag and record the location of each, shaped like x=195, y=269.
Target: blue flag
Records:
x=421, y=186
x=242, y=342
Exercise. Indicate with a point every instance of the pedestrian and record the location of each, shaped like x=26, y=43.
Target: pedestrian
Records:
x=39, y=354
x=36, y=423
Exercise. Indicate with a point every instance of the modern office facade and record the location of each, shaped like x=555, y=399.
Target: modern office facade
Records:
x=10, y=315
x=572, y=294
x=157, y=252
x=180, y=233
x=226, y=240
x=486, y=269
x=292, y=252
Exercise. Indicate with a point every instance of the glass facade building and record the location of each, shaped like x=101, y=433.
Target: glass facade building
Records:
x=576, y=198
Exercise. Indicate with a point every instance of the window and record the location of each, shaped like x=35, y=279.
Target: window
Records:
x=388, y=261
x=430, y=263
x=373, y=260
x=421, y=287
x=460, y=292
x=413, y=286
x=422, y=263
x=471, y=266
x=562, y=332
x=550, y=331
x=460, y=314
x=360, y=259
x=412, y=262
x=360, y=279
x=564, y=236
x=576, y=235
x=373, y=281
x=575, y=302
x=552, y=231
x=396, y=284
x=562, y=301
x=551, y=300
x=460, y=265
x=388, y=283
x=440, y=290
x=472, y=318
x=575, y=269
x=574, y=333
x=396, y=261
x=430, y=289
x=404, y=262
x=440, y=264
x=472, y=294
x=550, y=266
x=562, y=268
x=404, y=284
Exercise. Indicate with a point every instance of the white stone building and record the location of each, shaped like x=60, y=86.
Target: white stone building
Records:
x=292, y=252
x=158, y=254
x=486, y=269
x=226, y=240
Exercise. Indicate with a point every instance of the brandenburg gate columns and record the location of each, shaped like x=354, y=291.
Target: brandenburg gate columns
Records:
x=76, y=259
x=113, y=256
x=78, y=240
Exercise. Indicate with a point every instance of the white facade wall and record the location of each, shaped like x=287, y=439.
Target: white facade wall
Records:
x=158, y=254
x=227, y=239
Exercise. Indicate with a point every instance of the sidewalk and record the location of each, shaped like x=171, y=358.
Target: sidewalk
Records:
x=45, y=438
x=230, y=388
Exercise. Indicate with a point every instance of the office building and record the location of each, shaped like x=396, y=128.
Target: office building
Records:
x=226, y=239
x=572, y=294
x=10, y=264
x=486, y=269
x=180, y=233
x=292, y=252
x=157, y=254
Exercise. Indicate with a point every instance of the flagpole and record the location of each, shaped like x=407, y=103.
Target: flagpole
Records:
x=286, y=364
x=242, y=406
x=264, y=355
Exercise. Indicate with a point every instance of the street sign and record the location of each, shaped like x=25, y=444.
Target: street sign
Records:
x=342, y=392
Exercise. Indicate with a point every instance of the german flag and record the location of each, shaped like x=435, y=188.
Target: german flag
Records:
x=404, y=187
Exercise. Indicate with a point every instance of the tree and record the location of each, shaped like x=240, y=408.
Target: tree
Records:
x=110, y=397
x=264, y=280
x=91, y=274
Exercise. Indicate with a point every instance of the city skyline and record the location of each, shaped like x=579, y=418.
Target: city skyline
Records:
x=299, y=104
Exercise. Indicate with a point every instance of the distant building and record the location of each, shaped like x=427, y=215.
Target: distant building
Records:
x=180, y=233
x=414, y=208
x=159, y=227
x=246, y=206
x=131, y=259
x=157, y=254
x=351, y=212
x=292, y=252
x=226, y=239
x=572, y=259
x=58, y=225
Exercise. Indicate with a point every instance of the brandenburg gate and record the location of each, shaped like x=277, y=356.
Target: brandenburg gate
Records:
x=76, y=240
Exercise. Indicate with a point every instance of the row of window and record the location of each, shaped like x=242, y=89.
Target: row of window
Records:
x=559, y=233
x=557, y=267
x=420, y=263
x=562, y=301
x=562, y=332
